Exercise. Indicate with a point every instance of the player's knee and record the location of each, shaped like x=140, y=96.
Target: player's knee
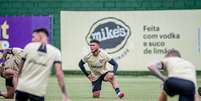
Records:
x=96, y=94
x=110, y=78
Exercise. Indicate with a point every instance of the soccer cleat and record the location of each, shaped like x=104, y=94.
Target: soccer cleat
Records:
x=120, y=95
x=199, y=91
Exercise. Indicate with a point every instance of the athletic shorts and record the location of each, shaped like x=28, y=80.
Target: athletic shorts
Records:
x=96, y=85
x=23, y=96
x=184, y=88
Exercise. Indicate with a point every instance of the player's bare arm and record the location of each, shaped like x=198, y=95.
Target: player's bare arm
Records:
x=60, y=78
x=155, y=69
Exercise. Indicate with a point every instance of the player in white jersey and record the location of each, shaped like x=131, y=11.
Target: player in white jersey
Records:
x=39, y=57
x=9, y=68
x=181, y=78
x=97, y=60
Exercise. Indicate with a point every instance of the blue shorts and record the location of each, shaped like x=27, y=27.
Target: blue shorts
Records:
x=96, y=85
x=23, y=96
x=184, y=88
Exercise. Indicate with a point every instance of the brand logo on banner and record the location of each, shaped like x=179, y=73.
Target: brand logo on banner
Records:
x=113, y=34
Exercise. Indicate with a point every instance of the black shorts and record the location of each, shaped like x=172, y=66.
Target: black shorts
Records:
x=184, y=88
x=23, y=96
x=96, y=85
x=9, y=82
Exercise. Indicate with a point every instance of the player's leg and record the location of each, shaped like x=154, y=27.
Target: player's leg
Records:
x=163, y=96
x=15, y=79
x=9, y=94
x=112, y=79
x=197, y=98
x=10, y=82
x=96, y=87
x=21, y=96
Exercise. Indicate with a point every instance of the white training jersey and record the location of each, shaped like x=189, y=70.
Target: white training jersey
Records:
x=97, y=64
x=180, y=68
x=39, y=59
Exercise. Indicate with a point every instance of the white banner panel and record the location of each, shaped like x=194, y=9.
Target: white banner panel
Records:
x=133, y=38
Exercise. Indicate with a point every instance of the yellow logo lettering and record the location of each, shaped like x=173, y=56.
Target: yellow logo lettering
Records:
x=4, y=28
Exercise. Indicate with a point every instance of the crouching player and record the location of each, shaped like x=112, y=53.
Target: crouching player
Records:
x=181, y=78
x=97, y=60
x=9, y=70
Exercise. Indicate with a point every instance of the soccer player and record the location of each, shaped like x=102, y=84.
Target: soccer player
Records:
x=97, y=60
x=39, y=57
x=181, y=78
x=9, y=70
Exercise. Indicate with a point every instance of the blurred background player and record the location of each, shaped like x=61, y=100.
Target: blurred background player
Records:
x=181, y=78
x=97, y=60
x=39, y=57
x=9, y=70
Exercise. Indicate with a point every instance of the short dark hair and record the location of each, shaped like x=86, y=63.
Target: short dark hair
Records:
x=44, y=30
x=173, y=52
x=95, y=41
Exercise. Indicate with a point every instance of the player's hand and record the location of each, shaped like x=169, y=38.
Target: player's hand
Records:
x=92, y=77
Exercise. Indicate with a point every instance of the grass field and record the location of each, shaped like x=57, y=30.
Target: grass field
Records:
x=144, y=88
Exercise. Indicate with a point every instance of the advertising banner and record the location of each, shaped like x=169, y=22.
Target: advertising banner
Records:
x=132, y=38
x=16, y=31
